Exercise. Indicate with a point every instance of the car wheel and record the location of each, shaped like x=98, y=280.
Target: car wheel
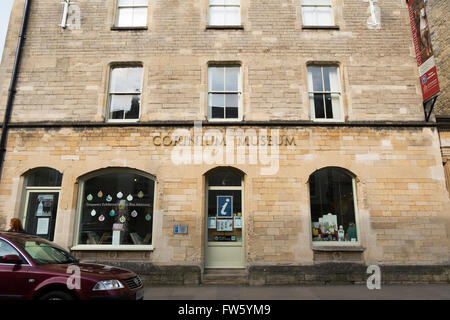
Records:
x=57, y=295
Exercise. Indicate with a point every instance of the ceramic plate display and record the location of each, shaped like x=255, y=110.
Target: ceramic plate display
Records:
x=134, y=214
x=93, y=213
x=140, y=194
x=101, y=218
x=122, y=219
x=90, y=197
x=120, y=195
x=108, y=198
x=148, y=217
x=112, y=213
x=100, y=194
x=130, y=197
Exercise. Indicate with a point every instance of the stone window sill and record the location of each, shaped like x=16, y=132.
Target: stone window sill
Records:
x=338, y=248
x=320, y=27
x=239, y=27
x=114, y=28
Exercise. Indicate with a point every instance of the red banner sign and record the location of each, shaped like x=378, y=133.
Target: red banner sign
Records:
x=424, y=50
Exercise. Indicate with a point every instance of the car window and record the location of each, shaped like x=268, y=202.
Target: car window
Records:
x=6, y=249
x=43, y=253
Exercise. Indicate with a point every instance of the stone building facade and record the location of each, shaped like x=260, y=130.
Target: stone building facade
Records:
x=374, y=165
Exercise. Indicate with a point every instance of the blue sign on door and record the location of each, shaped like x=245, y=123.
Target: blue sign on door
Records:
x=225, y=206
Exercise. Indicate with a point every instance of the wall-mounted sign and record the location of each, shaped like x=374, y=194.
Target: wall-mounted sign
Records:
x=211, y=222
x=179, y=229
x=42, y=226
x=224, y=206
x=424, y=51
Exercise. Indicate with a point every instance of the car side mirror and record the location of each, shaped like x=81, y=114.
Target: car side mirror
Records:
x=11, y=259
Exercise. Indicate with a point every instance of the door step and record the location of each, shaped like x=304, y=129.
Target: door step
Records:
x=225, y=277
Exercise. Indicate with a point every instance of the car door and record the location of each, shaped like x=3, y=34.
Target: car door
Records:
x=13, y=278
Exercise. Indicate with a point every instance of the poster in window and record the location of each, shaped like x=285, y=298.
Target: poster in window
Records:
x=45, y=205
x=224, y=206
x=42, y=226
x=211, y=222
x=238, y=222
x=224, y=224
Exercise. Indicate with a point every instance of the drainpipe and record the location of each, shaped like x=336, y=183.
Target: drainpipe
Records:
x=12, y=86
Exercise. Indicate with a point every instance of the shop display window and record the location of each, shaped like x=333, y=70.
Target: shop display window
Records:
x=333, y=206
x=117, y=209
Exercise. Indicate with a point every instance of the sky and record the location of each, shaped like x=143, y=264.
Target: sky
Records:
x=5, y=10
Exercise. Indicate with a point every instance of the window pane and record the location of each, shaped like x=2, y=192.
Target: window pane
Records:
x=324, y=16
x=124, y=105
x=140, y=2
x=332, y=206
x=232, y=113
x=125, y=17
x=117, y=209
x=233, y=2
x=217, y=16
x=41, y=205
x=6, y=249
x=217, y=113
x=126, y=80
x=225, y=179
x=232, y=78
x=319, y=108
x=333, y=78
x=308, y=16
x=232, y=16
x=328, y=107
x=316, y=77
x=216, y=2
x=335, y=100
x=217, y=100
x=216, y=79
x=232, y=100
x=125, y=2
x=139, y=17
x=44, y=178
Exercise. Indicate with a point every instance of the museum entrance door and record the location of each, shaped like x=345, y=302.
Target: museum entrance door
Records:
x=225, y=246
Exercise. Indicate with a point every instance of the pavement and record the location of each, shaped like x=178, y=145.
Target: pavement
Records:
x=331, y=292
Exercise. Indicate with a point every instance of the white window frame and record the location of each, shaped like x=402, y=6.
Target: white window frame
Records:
x=119, y=7
x=111, y=247
x=224, y=6
x=239, y=93
x=316, y=244
x=134, y=93
x=315, y=6
x=312, y=92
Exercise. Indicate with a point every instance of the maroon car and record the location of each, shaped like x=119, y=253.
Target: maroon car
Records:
x=34, y=268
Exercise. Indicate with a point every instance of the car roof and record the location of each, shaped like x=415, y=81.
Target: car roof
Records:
x=18, y=235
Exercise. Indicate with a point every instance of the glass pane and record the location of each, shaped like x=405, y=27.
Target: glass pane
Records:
x=126, y=80
x=332, y=206
x=335, y=100
x=217, y=100
x=308, y=16
x=41, y=214
x=117, y=209
x=319, y=108
x=133, y=113
x=217, y=112
x=140, y=2
x=6, y=249
x=232, y=78
x=123, y=103
x=324, y=16
x=125, y=2
x=232, y=16
x=217, y=2
x=232, y=100
x=139, y=17
x=44, y=178
x=216, y=79
x=333, y=78
x=227, y=229
x=125, y=17
x=217, y=16
x=328, y=106
x=316, y=76
x=232, y=113
x=225, y=179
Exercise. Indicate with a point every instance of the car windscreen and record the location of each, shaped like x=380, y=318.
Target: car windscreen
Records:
x=45, y=253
